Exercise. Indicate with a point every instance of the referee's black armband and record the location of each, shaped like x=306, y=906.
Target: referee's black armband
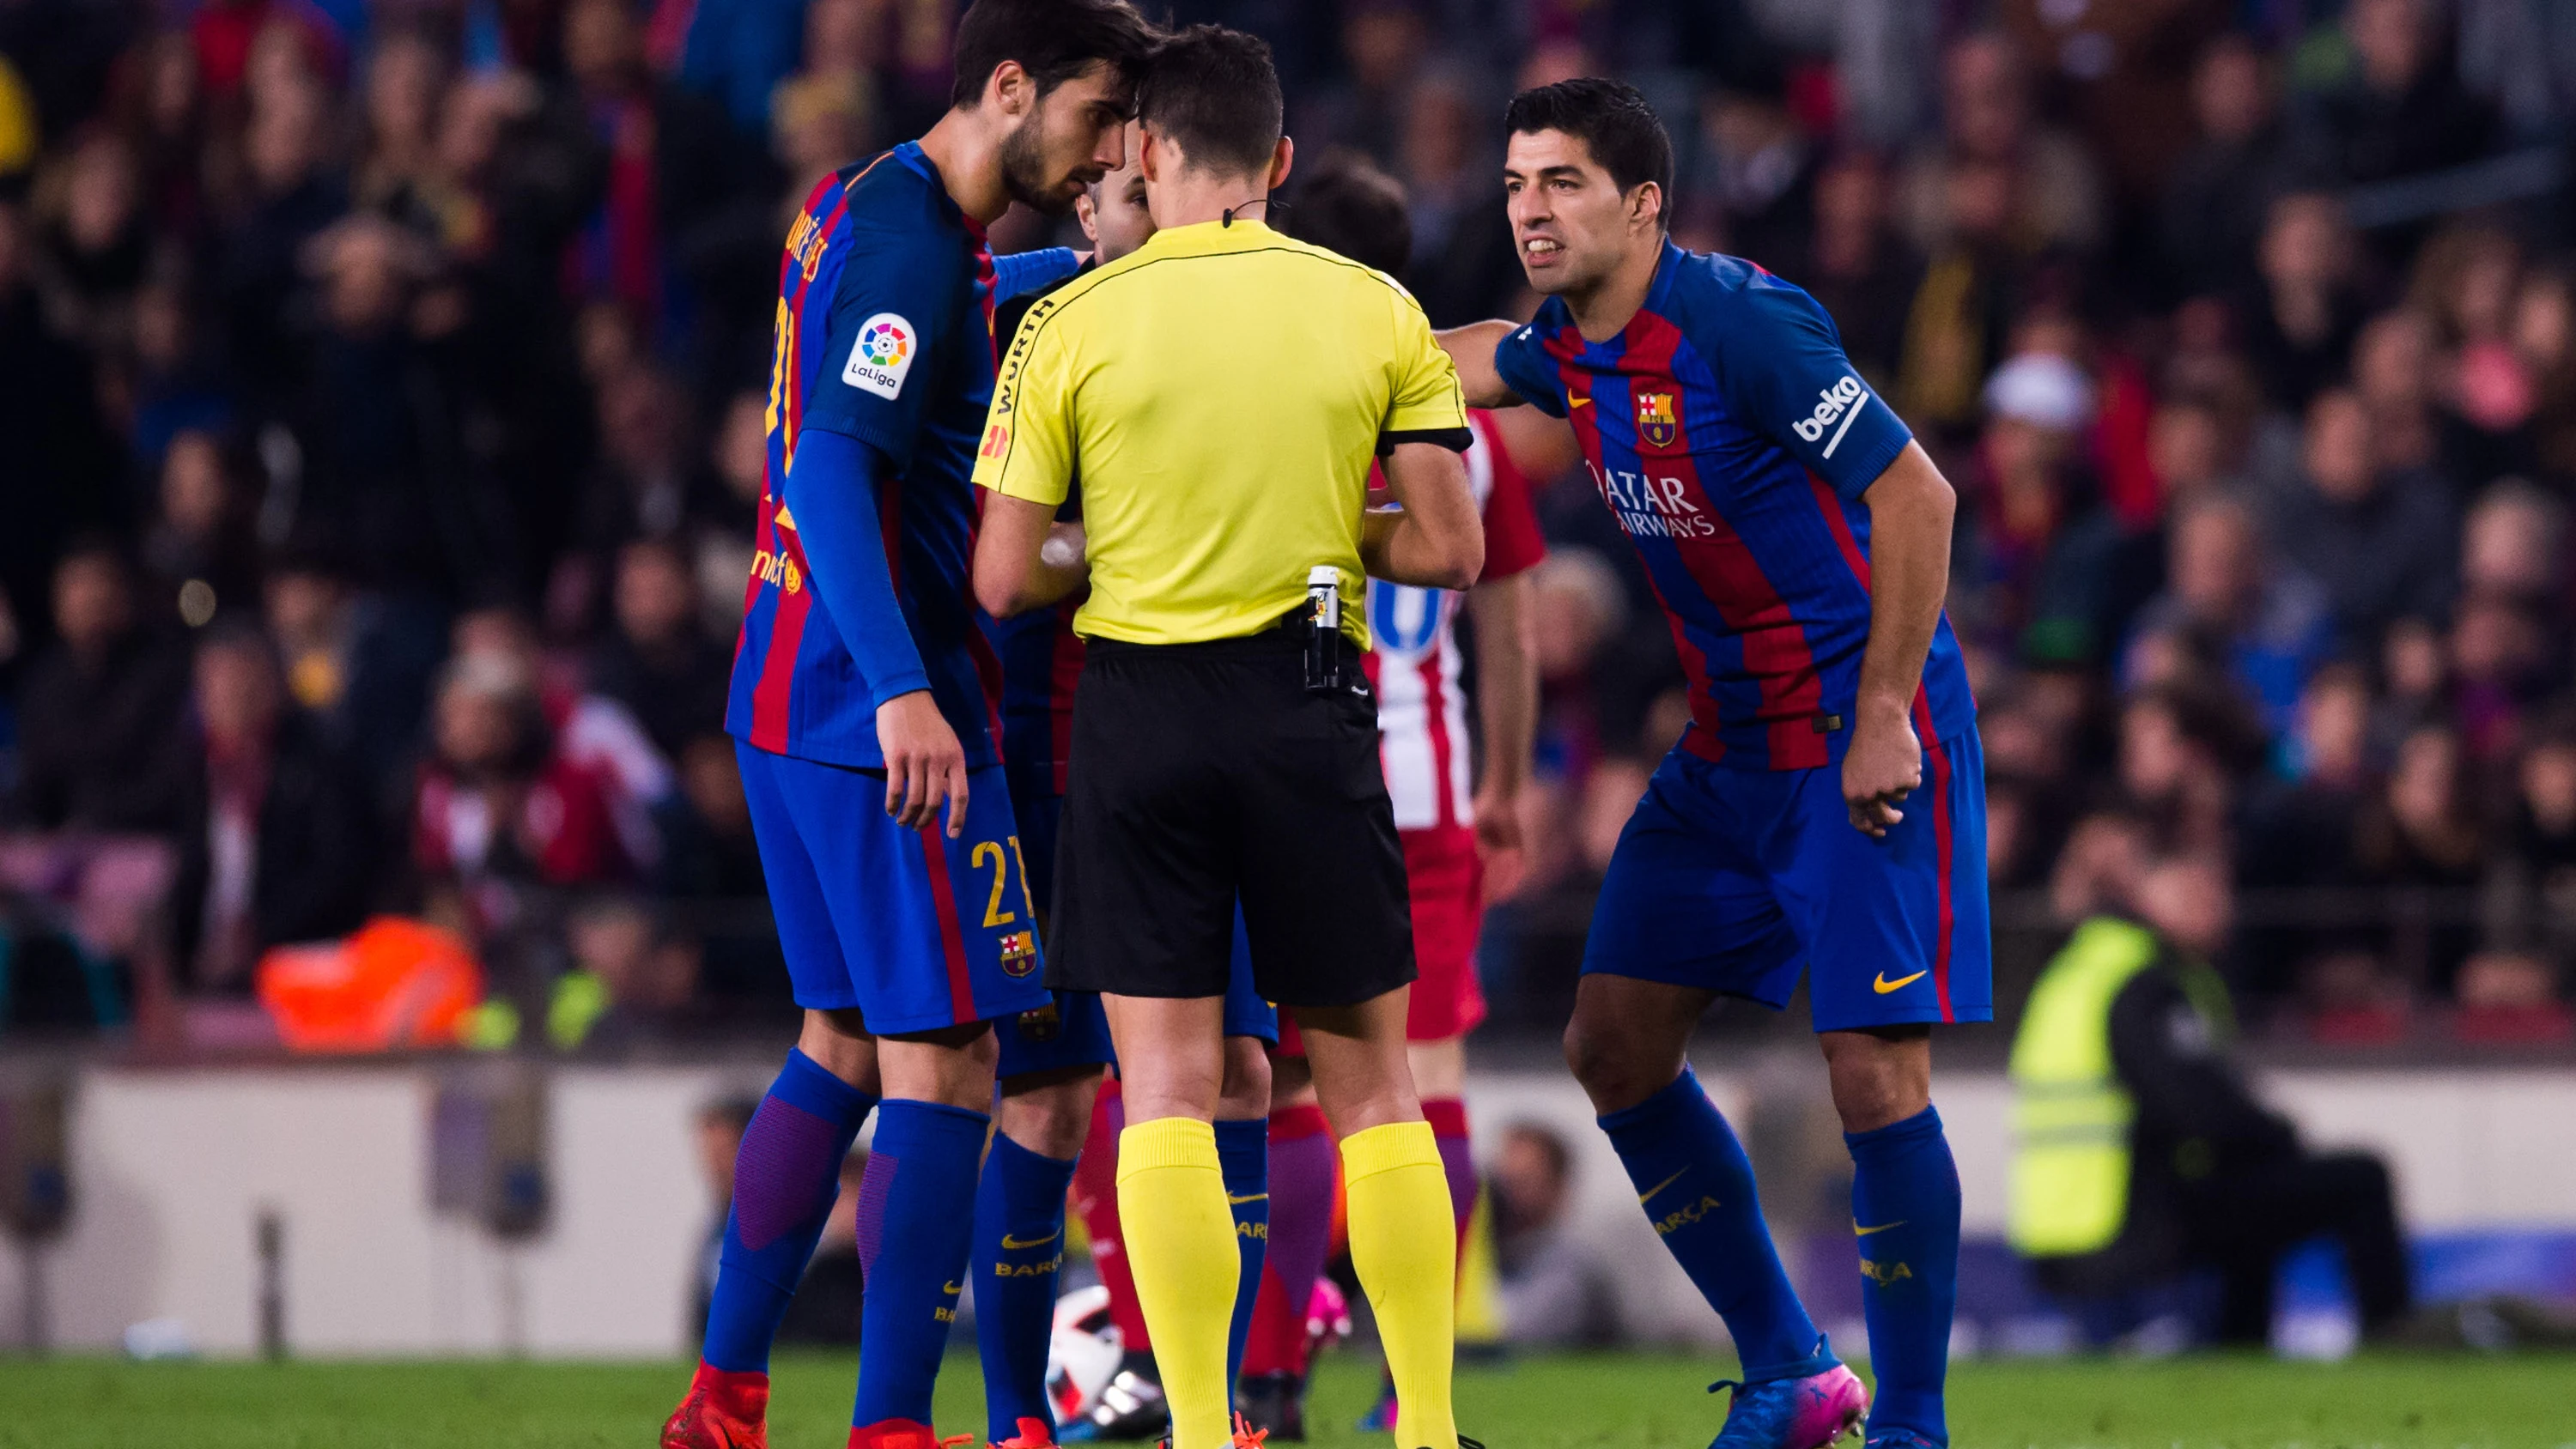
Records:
x=1456, y=440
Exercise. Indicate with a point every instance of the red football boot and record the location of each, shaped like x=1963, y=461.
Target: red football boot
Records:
x=723, y=1410
x=904, y=1434
x=1034, y=1434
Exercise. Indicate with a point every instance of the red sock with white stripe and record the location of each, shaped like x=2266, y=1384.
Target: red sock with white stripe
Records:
x=1095, y=1201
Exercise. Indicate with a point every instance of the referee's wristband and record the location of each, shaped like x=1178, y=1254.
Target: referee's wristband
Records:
x=1456, y=440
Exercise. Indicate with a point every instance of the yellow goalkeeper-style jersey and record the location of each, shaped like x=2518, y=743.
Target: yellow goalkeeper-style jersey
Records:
x=1221, y=391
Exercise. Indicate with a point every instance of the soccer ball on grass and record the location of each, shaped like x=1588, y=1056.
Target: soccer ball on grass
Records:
x=1083, y=1352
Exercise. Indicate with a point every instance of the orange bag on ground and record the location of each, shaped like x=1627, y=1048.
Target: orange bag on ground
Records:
x=396, y=983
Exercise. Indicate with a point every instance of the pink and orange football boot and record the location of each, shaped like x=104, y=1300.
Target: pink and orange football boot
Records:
x=1033, y=1434
x=723, y=1410
x=1804, y=1413
x=907, y=1434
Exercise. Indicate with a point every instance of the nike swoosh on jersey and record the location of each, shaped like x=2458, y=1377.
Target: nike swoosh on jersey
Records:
x=1659, y=1187
x=1581, y=402
x=1251, y=1197
x=1011, y=1244
x=953, y=1288
x=1860, y=1232
x=1882, y=985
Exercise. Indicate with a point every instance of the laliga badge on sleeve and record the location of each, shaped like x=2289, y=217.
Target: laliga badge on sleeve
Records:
x=882, y=355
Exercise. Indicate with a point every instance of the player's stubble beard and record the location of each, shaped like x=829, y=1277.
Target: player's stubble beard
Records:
x=1586, y=267
x=1024, y=170
x=1572, y=280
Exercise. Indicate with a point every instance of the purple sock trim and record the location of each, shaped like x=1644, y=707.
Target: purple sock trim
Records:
x=1459, y=1166
x=1301, y=1213
x=876, y=1186
x=787, y=1175
x=786, y=1153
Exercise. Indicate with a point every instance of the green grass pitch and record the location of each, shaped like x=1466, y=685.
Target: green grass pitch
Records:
x=1615, y=1401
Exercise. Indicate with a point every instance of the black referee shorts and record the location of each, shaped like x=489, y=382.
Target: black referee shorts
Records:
x=1205, y=773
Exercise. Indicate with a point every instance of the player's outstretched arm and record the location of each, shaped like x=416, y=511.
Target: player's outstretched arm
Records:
x=1020, y=273
x=1024, y=559
x=1910, y=509
x=1506, y=704
x=1434, y=538
x=1471, y=351
x=831, y=492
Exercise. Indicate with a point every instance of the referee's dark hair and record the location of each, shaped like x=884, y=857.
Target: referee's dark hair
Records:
x=1347, y=205
x=1215, y=93
x=1614, y=123
x=1053, y=40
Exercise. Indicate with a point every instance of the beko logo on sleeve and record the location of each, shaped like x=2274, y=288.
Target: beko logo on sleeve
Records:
x=882, y=355
x=1843, y=400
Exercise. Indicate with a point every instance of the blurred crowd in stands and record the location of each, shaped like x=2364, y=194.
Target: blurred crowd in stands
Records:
x=382, y=388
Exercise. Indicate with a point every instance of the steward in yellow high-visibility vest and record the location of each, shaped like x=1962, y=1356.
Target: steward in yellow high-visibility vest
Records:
x=2071, y=1120
x=2139, y=1151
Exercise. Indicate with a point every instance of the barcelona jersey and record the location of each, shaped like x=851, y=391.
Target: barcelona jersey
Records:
x=1041, y=655
x=1041, y=661
x=884, y=335
x=1732, y=439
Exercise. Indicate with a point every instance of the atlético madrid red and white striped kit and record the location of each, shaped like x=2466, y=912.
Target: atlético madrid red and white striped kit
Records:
x=1425, y=742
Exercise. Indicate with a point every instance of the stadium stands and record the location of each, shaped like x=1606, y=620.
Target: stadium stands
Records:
x=383, y=388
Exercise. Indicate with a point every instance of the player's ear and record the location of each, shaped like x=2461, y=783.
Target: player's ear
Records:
x=1011, y=88
x=1646, y=204
x=1282, y=157
x=1150, y=155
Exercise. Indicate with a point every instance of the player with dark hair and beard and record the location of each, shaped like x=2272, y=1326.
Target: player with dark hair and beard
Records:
x=862, y=725
x=1823, y=815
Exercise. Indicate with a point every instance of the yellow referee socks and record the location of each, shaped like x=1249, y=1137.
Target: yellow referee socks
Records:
x=1179, y=1238
x=1404, y=1241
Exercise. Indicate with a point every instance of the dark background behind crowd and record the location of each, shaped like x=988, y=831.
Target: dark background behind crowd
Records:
x=382, y=387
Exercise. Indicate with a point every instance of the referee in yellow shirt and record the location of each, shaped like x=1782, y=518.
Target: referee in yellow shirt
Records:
x=1222, y=390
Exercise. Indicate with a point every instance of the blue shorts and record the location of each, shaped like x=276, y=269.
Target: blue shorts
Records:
x=916, y=930
x=1735, y=880
x=1071, y=1030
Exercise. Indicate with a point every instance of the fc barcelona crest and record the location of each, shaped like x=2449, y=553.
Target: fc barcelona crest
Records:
x=1019, y=953
x=1657, y=425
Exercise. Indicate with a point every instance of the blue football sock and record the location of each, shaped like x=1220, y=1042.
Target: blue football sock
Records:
x=1697, y=1188
x=1243, y=1151
x=913, y=1243
x=785, y=1179
x=1019, y=1253
x=1905, y=1206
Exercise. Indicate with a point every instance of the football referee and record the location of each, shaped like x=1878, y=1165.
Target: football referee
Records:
x=1222, y=390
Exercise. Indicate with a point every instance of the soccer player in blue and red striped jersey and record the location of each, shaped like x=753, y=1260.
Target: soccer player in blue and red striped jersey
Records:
x=862, y=707
x=1824, y=811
